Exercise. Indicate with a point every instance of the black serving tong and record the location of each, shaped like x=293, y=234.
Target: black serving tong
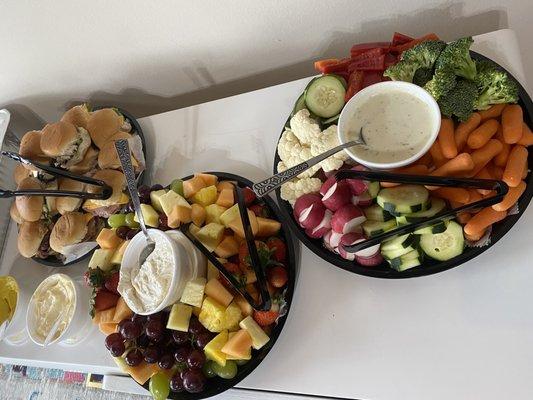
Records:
x=499, y=187
x=106, y=192
x=265, y=303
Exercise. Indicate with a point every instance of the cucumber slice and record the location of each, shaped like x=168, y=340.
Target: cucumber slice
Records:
x=376, y=213
x=331, y=120
x=373, y=228
x=437, y=205
x=400, y=251
x=400, y=242
x=405, y=199
x=446, y=245
x=397, y=262
x=325, y=96
x=341, y=79
x=299, y=105
x=407, y=264
x=439, y=227
x=373, y=189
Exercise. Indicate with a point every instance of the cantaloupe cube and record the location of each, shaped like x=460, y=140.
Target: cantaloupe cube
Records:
x=122, y=311
x=237, y=226
x=243, y=304
x=205, y=196
x=213, y=349
x=179, y=215
x=142, y=372
x=108, y=239
x=227, y=248
x=198, y=214
x=267, y=227
x=209, y=179
x=225, y=185
x=107, y=328
x=104, y=316
x=179, y=317
x=239, y=346
x=217, y=291
x=192, y=186
x=116, y=258
x=252, y=291
x=225, y=198
x=259, y=337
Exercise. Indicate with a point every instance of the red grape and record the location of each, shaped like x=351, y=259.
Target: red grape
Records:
x=202, y=339
x=141, y=319
x=143, y=341
x=181, y=354
x=194, y=381
x=130, y=330
x=196, y=359
x=154, y=330
x=166, y=361
x=151, y=355
x=163, y=222
x=155, y=187
x=117, y=349
x=131, y=233
x=122, y=232
x=180, y=337
x=156, y=316
x=133, y=358
x=114, y=337
x=176, y=384
x=196, y=326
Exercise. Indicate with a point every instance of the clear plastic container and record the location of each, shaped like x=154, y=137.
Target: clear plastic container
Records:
x=15, y=331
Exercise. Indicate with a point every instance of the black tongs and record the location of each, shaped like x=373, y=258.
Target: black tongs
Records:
x=265, y=303
x=499, y=187
x=106, y=192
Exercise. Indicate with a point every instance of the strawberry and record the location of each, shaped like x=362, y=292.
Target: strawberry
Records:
x=277, y=276
x=111, y=283
x=279, y=248
x=244, y=254
x=249, y=196
x=265, y=318
x=105, y=300
x=232, y=268
x=259, y=210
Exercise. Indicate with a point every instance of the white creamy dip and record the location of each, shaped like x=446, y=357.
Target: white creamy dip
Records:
x=54, y=298
x=395, y=124
x=144, y=287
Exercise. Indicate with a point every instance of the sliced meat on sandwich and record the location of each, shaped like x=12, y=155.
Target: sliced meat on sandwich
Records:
x=104, y=208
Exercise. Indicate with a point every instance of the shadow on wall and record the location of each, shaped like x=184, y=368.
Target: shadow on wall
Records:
x=337, y=43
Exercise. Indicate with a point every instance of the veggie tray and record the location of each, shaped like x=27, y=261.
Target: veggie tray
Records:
x=484, y=134
x=210, y=338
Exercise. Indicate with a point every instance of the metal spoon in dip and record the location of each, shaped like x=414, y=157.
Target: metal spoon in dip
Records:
x=268, y=185
x=124, y=155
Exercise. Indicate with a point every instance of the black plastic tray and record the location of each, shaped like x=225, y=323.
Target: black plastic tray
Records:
x=429, y=266
x=54, y=261
x=217, y=385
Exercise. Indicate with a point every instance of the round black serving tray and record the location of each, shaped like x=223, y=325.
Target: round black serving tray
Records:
x=218, y=385
x=429, y=266
x=56, y=262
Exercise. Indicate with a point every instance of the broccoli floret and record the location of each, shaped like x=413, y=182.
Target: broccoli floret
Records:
x=442, y=82
x=460, y=100
x=494, y=86
x=421, y=56
x=422, y=76
x=456, y=56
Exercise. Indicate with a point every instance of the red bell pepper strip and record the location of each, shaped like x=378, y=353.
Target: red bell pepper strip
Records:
x=341, y=65
x=406, y=46
x=372, y=77
x=372, y=53
x=400, y=38
x=321, y=64
x=355, y=84
x=369, y=64
x=362, y=47
x=390, y=59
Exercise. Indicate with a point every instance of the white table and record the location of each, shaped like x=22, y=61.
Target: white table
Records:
x=463, y=334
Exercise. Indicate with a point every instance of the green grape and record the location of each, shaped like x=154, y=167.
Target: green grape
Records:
x=177, y=186
x=228, y=371
x=208, y=369
x=117, y=220
x=159, y=386
x=130, y=221
x=241, y=362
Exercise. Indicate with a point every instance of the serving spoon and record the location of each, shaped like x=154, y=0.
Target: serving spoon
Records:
x=124, y=155
x=268, y=185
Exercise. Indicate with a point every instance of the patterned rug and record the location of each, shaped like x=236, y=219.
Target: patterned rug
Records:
x=28, y=383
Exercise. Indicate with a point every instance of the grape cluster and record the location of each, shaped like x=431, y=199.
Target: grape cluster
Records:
x=146, y=338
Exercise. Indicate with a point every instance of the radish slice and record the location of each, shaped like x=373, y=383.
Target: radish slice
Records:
x=327, y=238
x=322, y=228
x=327, y=185
x=337, y=195
x=304, y=202
x=312, y=216
x=353, y=238
x=370, y=261
x=363, y=200
x=347, y=218
x=335, y=239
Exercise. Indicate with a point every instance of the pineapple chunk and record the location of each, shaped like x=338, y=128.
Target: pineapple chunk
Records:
x=229, y=215
x=243, y=304
x=119, y=253
x=225, y=198
x=122, y=311
x=193, y=229
x=213, y=213
x=151, y=217
x=213, y=349
x=211, y=235
x=108, y=239
x=192, y=186
x=155, y=198
x=259, y=337
x=232, y=316
x=101, y=258
x=193, y=294
x=170, y=200
x=205, y=196
x=179, y=317
x=212, y=315
x=198, y=215
x=218, y=292
x=107, y=328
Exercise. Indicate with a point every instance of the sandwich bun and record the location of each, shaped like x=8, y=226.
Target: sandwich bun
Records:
x=77, y=116
x=30, y=237
x=69, y=204
x=30, y=148
x=69, y=229
x=30, y=208
x=115, y=179
x=20, y=173
x=103, y=125
x=108, y=157
x=88, y=163
x=14, y=213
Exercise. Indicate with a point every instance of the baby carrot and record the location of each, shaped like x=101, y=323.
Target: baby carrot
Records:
x=482, y=134
x=461, y=163
x=482, y=156
x=474, y=196
x=447, y=139
x=512, y=123
x=485, y=173
x=493, y=112
x=476, y=237
x=526, y=171
x=414, y=169
x=511, y=197
x=465, y=128
x=515, y=166
x=459, y=195
x=436, y=154
x=463, y=217
x=426, y=160
x=497, y=172
x=482, y=220
x=527, y=136
x=501, y=158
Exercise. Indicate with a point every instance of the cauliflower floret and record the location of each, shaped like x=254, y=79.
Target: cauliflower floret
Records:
x=291, y=191
x=329, y=140
x=292, y=153
x=304, y=127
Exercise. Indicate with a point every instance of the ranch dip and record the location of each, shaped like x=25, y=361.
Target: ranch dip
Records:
x=395, y=126
x=145, y=286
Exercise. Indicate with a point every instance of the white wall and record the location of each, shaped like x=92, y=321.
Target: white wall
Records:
x=151, y=56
